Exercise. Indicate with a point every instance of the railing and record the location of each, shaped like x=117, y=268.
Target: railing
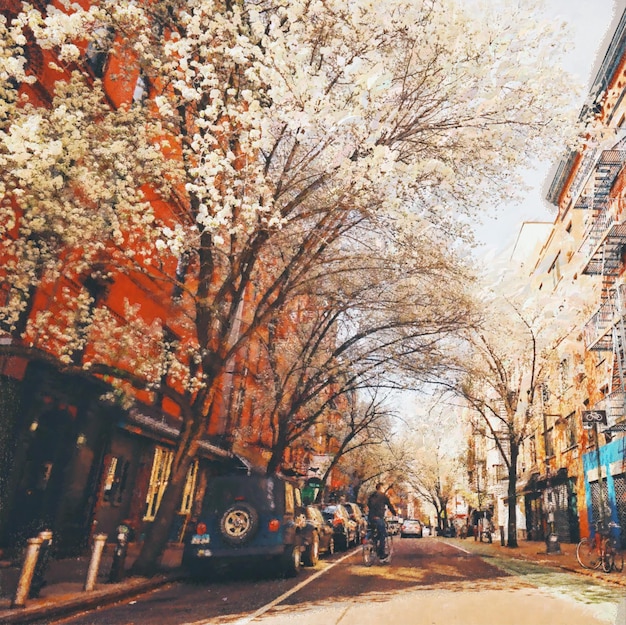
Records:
x=596, y=330
x=599, y=228
x=613, y=403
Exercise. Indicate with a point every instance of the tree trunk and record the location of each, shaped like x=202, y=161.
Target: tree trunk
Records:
x=512, y=496
x=147, y=562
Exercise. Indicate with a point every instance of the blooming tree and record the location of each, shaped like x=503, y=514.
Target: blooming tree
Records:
x=508, y=356
x=218, y=127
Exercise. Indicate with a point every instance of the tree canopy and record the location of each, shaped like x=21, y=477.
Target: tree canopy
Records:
x=237, y=152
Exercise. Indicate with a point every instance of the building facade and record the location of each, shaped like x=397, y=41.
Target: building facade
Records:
x=572, y=467
x=75, y=457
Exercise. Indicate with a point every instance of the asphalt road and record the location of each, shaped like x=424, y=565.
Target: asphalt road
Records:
x=428, y=582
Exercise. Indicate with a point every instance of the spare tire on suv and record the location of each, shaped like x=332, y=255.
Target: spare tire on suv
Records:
x=239, y=523
x=245, y=518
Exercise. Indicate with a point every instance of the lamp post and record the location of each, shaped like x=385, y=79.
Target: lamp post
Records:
x=591, y=418
x=552, y=539
x=600, y=479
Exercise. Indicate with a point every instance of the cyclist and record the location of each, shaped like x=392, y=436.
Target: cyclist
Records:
x=376, y=504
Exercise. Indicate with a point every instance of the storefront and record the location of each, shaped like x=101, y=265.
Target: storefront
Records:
x=605, y=491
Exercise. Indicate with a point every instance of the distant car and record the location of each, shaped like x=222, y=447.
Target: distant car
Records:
x=356, y=514
x=411, y=527
x=318, y=536
x=343, y=526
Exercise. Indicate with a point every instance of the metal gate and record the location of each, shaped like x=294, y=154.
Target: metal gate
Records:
x=561, y=512
x=620, y=500
x=595, y=499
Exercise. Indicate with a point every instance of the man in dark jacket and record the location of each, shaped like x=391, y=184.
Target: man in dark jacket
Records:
x=376, y=505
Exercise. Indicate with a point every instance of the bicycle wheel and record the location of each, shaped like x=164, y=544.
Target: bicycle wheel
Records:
x=587, y=554
x=369, y=554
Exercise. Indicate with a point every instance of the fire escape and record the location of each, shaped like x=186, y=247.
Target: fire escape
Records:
x=604, y=249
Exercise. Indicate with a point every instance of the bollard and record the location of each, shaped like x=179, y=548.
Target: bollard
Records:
x=42, y=564
x=94, y=564
x=28, y=570
x=124, y=535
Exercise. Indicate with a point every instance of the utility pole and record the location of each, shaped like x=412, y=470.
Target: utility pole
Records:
x=600, y=478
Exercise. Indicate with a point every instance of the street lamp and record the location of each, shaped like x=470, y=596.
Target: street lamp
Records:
x=552, y=539
x=591, y=418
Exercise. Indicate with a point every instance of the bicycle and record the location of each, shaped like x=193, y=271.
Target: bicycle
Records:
x=601, y=549
x=370, y=551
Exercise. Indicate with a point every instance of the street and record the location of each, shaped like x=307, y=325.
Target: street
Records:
x=429, y=581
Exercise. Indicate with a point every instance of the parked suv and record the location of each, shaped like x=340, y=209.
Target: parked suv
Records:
x=246, y=517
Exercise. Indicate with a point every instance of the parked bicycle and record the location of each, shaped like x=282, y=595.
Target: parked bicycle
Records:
x=370, y=551
x=601, y=548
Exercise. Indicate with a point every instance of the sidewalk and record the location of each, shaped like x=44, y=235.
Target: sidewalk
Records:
x=536, y=552
x=64, y=594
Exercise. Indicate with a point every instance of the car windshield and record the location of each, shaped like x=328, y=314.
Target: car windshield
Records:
x=330, y=511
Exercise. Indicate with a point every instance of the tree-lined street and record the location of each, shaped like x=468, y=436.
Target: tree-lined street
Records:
x=428, y=581
x=240, y=287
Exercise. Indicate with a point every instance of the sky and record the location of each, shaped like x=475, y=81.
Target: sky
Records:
x=589, y=21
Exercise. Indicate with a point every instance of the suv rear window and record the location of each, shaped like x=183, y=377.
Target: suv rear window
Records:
x=264, y=493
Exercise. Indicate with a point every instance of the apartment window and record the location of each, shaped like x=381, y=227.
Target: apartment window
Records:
x=116, y=480
x=533, y=450
x=98, y=50
x=159, y=477
x=549, y=442
x=161, y=465
x=140, y=94
x=502, y=473
x=555, y=270
x=564, y=373
x=571, y=432
x=190, y=488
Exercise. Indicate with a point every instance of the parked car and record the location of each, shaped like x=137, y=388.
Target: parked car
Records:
x=344, y=527
x=447, y=532
x=319, y=536
x=411, y=527
x=244, y=518
x=356, y=514
x=393, y=525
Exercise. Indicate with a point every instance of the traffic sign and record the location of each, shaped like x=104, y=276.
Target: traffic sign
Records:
x=594, y=416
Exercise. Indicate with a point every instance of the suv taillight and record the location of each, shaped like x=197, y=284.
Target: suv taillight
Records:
x=273, y=525
x=201, y=528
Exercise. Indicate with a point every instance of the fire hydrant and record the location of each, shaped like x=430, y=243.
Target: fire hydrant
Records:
x=125, y=535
